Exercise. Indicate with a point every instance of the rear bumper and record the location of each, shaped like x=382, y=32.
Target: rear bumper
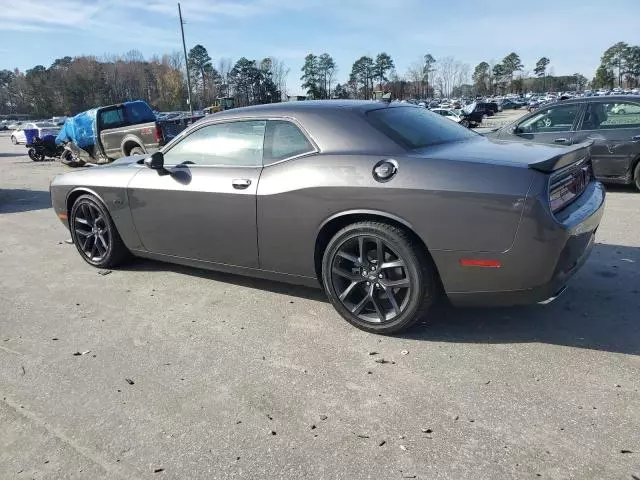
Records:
x=541, y=262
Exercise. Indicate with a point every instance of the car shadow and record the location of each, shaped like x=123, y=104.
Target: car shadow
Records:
x=300, y=291
x=598, y=311
x=12, y=154
x=20, y=200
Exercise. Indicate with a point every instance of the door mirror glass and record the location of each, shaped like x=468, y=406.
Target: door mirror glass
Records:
x=517, y=130
x=155, y=161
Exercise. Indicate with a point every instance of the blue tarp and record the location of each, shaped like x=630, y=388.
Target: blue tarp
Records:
x=80, y=129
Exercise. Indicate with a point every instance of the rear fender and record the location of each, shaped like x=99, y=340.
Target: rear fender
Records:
x=130, y=139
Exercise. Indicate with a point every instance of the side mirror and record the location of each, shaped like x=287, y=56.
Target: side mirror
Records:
x=517, y=130
x=155, y=161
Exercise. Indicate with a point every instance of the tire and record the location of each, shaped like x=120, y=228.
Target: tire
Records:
x=14, y=140
x=465, y=123
x=136, y=151
x=95, y=235
x=346, y=272
x=34, y=156
x=621, y=112
x=636, y=176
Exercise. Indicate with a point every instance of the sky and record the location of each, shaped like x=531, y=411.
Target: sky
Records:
x=572, y=33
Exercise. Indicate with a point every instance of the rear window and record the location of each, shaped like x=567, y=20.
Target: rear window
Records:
x=139, y=112
x=416, y=127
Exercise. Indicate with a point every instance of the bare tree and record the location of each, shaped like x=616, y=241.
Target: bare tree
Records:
x=280, y=72
x=225, y=65
x=415, y=76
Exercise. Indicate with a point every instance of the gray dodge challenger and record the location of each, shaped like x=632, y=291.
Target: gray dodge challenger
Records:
x=387, y=206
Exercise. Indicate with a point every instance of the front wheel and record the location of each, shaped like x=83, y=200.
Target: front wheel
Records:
x=378, y=278
x=14, y=140
x=33, y=155
x=94, y=234
x=636, y=176
x=465, y=123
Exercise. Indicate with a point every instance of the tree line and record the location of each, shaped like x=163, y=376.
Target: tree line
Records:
x=70, y=85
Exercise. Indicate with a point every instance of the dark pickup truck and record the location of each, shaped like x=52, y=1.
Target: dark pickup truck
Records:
x=105, y=134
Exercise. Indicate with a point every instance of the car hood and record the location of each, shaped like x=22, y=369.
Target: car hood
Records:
x=504, y=152
x=125, y=161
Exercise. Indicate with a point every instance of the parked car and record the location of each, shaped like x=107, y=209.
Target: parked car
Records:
x=386, y=205
x=103, y=134
x=507, y=104
x=451, y=114
x=615, y=137
x=43, y=128
x=623, y=108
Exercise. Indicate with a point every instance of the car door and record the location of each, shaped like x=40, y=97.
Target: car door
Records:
x=614, y=129
x=110, y=123
x=203, y=205
x=553, y=124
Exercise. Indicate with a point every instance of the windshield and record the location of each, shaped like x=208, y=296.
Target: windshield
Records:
x=416, y=127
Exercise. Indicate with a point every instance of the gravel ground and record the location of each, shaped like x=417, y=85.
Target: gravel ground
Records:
x=158, y=371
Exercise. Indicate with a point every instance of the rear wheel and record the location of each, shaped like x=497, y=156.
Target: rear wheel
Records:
x=136, y=151
x=636, y=176
x=14, y=140
x=94, y=234
x=378, y=278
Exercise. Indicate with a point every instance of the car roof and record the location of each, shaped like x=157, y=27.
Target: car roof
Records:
x=310, y=106
x=613, y=98
x=325, y=122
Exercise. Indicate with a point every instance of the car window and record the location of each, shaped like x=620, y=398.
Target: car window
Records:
x=416, y=127
x=284, y=140
x=45, y=125
x=559, y=118
x=607, y=116
x=232, y=144
x=112, y=118
x=139, y=112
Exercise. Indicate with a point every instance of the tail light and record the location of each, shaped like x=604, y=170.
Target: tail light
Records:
x=159, y=135
x=567, y=185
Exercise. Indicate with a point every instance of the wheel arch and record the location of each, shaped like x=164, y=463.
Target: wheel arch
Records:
x=77, y=192
x=129, y=143
x=340, y=220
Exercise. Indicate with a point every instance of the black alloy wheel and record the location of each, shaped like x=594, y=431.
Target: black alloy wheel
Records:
x=94, y=233
x=377, y=278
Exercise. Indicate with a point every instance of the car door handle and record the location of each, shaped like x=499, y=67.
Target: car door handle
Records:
x=240, y=183
x=561, y=140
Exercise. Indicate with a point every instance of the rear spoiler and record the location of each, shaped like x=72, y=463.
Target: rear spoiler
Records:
x=567, y=157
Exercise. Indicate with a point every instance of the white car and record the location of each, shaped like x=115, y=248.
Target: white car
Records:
x=623, y=108
x=448, y=113
x=44, y=129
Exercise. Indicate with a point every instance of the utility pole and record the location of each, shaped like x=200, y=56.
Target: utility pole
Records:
x=186, y=61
